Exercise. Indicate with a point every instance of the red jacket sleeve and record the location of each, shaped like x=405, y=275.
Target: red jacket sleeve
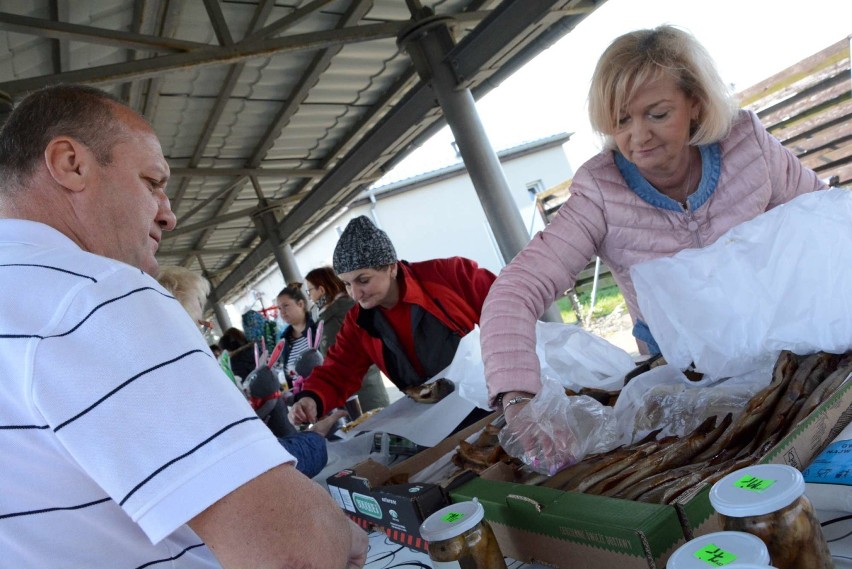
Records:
x=342, y=372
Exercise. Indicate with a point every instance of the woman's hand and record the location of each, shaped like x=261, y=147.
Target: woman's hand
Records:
x=541, y=439
x=304, y=411
x=511, y=411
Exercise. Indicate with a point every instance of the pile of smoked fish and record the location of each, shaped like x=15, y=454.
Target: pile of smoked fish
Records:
x=659, y=471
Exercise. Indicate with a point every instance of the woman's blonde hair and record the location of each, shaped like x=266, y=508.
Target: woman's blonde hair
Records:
x=636, y=58
x=188, y=287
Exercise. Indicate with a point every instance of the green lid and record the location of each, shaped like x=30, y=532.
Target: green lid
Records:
x=452, y=521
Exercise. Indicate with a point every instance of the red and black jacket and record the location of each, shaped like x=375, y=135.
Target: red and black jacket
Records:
x=446, y=297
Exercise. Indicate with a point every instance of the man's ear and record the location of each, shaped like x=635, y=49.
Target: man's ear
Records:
x=69, y=162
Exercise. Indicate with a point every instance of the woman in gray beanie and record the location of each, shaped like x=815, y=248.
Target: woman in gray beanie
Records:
x=329, y=294
x=408, y=320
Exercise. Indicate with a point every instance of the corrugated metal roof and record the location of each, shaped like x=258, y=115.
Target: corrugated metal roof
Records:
x=290, y=107
x=808, y=107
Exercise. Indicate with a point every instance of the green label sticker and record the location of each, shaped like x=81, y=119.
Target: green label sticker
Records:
x=715, y=556
x=367, y=505
x=452, y=517
x=753, y=483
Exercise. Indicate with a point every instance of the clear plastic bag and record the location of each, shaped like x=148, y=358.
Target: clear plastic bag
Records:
x=578, y=358
x=566, y=353
x=554, y=430
x=664, y=399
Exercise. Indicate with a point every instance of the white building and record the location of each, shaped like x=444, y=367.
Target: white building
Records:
x=431, y=215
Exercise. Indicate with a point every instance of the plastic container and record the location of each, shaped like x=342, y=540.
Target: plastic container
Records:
x=459, y=537
x=767, y=500
x=720, y=549
x=748, y=566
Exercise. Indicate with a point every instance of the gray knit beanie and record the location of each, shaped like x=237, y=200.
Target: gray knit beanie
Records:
x=362, y=245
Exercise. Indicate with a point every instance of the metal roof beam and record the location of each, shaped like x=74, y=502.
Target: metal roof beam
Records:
x=169, y=19
x=89, y=34
x=59, y=48
x=319, y=63
x=403, y=83
x=139, y=69
x=208, y=223
x=309, y=79
x=287, y=21
x=217, y=20
x=259, y=172
x=260, y=14
x=206, y=251
x=510, y=19
x=495, y=30
x=130, y=91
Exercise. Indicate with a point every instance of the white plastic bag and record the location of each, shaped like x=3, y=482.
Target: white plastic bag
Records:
x=779, y=281
x=467, y=371
x=566, y=353
x=577, y=358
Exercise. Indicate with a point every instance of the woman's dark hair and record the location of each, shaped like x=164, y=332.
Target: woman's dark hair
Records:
x=232, y=338
x=326, y=278
x=294, y=292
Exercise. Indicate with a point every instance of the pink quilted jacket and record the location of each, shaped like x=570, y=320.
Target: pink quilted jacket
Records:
x=743, y=176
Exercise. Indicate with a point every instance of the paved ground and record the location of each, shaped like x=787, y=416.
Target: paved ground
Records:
x=617, y=328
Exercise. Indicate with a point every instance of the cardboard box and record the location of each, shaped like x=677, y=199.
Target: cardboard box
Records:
x=579, y=531
x=571, y=529
x=367, y=494
x=797, y=449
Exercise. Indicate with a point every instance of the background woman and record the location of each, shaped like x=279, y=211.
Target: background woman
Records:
x=681, y=166
x=409, y=319
x=329, y=295
x=293, y=309
x=240, y=350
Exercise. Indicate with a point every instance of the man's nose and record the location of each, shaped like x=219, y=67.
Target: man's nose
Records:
x=165, y=216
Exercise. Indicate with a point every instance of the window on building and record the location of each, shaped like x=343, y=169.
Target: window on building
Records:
x=535, y=188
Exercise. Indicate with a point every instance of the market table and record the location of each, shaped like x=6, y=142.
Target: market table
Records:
x=385, y=554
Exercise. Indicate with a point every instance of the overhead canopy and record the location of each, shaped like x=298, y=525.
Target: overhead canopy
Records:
x=291, y=107
x=808, y=107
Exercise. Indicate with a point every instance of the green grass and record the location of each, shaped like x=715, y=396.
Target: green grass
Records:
x=606, y=301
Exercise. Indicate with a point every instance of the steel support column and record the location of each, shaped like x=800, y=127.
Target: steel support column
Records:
x=221, y=315
x=427, y=41
x=265, y=222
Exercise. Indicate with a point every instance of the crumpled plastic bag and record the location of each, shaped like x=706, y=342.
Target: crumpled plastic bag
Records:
x=467, y=371
x=665, y=399
x=779, y=281
x=566, y=352
x=554, y=430
x=578, y=358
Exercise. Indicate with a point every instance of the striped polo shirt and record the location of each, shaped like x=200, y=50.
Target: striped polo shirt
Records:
x=115, y=426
